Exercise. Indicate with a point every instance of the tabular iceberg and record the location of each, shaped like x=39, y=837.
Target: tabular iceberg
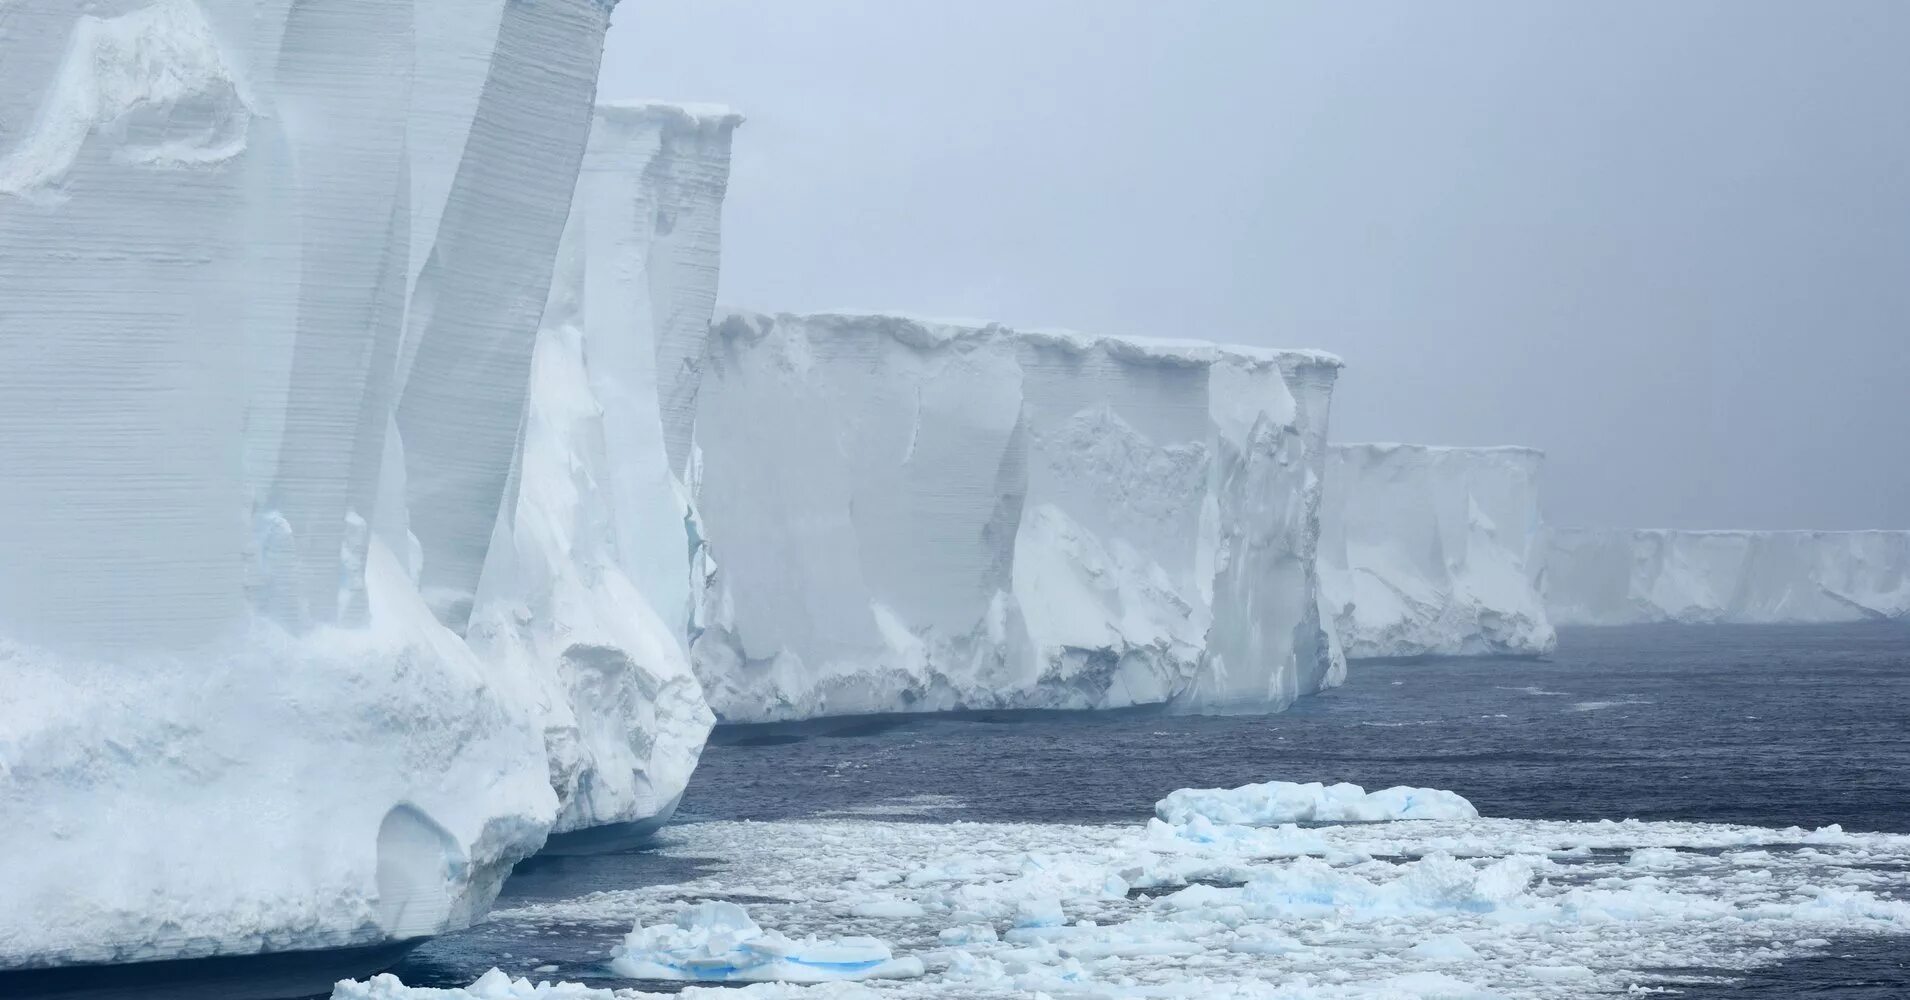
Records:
x=919, y=516
x=1429, y=551
x=591, y=582
x=1619, y=577
x=269, y=278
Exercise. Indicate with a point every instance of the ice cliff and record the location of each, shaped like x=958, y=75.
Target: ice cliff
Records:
x=1619, y=577
x=1429, y=551
x=919, y=516
x=271, y=273
x=592, y=582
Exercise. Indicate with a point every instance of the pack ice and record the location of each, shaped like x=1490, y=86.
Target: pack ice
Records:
x=1618, y=577
x=1434, y=551
x=913, y=516
x=270, y=280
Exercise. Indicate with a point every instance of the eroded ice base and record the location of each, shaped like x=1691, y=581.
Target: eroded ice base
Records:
x=1444, y=908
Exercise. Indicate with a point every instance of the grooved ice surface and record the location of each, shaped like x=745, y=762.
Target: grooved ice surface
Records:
x=481, y=293
x=920, y=516
x=231, y=724
x=677, y=214
x=1431, y=551
x=1618, y=577
x=592, y=586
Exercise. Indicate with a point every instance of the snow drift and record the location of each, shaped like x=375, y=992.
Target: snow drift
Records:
x=592, y=581
x=919, y=516
x=1617, y=577
x=1429, y=551
x=270, y=276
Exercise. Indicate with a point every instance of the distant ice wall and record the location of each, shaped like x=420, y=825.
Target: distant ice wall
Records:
x=1431, y=551
x=1619, y=577
x=230, y=723
x=593, y=585
x=920, y=516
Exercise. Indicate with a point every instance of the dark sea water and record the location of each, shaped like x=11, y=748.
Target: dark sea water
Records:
x=1770, y=726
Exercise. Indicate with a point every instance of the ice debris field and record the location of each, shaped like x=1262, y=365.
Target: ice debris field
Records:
x=1397, y=893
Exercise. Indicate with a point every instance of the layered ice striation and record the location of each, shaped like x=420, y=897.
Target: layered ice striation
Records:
x=920, y=516
x=1432, y=551
x=592, y=585
x=270, y=274
x=1621, y=577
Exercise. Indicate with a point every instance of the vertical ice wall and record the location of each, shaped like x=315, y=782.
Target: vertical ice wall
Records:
x=1620, y=577
x=915, y=516
x=230, y=723
x=1431, y=551
x=593, y=588
x=480, y=295
x=678, y=216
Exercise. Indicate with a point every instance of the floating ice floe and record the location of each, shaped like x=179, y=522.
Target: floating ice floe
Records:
x=495, y=985
x=1289, y=802
x=717, y=942
x=1447, y=908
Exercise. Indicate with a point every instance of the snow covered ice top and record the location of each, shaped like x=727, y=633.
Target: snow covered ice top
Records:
x=1434, y=551
x=912, y=516
x=1618, y=577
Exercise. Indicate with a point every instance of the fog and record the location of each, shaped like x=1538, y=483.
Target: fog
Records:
x=1667, y=242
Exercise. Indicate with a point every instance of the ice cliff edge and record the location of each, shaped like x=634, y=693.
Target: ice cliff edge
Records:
x=1434, y=551
x=592, y=581
x=270, y=279
x=1621, y=577
x=920, y=516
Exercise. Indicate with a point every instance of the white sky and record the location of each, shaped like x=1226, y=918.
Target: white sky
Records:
x=1667, y=242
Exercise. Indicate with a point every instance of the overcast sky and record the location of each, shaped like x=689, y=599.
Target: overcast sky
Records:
x=1668, y=242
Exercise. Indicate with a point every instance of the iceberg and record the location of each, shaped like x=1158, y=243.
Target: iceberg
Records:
x=1431, y=551
x=1277, y=802
x=591, y=582
x=1620, y=577
x=270, y=276
x=718, y=942
x=918, y=516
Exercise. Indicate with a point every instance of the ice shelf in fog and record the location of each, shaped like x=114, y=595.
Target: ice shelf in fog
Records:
x=270, y=276
x=592, y=584
x=1622, y=577
x=1433, y=551
x=919, y=516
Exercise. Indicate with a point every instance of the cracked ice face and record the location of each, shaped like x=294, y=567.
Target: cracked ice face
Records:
x=915, y=516
x=1603, y=577
x=1434, y=551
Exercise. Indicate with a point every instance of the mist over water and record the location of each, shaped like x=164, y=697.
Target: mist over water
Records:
x=1663, y=242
